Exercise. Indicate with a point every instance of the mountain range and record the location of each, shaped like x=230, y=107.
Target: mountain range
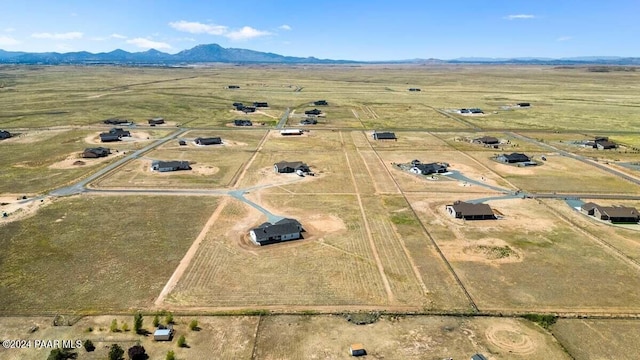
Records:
x=214, y=53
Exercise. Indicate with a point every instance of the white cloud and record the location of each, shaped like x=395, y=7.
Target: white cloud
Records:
x=564, y=38
x=198, y=28
x=9, y=30
x=246, y=33
x=7, y=40
x=520, y=16
x=284, y=27
x=117, y=36
x=148, y=44
x=58, y=36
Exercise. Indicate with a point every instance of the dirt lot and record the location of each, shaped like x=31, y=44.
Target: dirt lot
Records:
x=298, y=337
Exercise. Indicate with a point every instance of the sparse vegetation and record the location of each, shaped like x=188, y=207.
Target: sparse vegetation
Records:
x=544, y=320
x=88, y=345
x=116, y=352
x=137, y=323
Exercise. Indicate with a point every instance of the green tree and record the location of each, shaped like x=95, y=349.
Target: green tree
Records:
x=61, y=354
x=170, y=355
x=114, y=326
x=88, y=345
x=137, y=323
x=169, y=318
x=156, y=320
x=193, y=325
x=137, y=352
x=182, y=341
x=116, y=352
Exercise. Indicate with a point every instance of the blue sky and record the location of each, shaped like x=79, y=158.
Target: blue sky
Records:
x=356, y=30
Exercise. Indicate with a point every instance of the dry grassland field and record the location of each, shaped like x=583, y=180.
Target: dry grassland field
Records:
x=98, y=239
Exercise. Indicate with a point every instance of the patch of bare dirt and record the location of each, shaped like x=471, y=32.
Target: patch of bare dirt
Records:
x=33, y=136
x=75, y=160
x=511, y=339
x=17, y=209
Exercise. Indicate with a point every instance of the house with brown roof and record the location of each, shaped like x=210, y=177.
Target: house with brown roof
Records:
x=613, y=214
x=92, y=153
x=469, y=211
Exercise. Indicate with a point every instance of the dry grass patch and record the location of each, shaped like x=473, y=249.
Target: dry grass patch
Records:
x=86, y=254
x=333, y=265
x=211, y=168
x=592, y=339
x=542, y=273
x=329, y=337
x=558, y=174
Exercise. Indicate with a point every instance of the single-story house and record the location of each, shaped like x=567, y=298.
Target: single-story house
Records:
x=513, y=158
x=614, y=214
x=116, y=121
x=313, y=112
x=384, y=136
x=426, y=169
x=242, y=122
x=487, y=140
x=260, y=104
x=523, y=104
x=164, y=166
x=95, y=152
x=286, y=132
x=320, y=103
x=308, y=121
x=156, y=121
x=208, y=141
x=247, y=109
x=357, y=350
x=163, y=334
x=283, y=230
x=605, y=145
x=470, y=111
x=109, y=137
x=182, y=143
x=4, y=134
x=290, y=166
x=478, y=357
x=120, y=132
x=233, y=86
x=414, y=89
x=469, y=211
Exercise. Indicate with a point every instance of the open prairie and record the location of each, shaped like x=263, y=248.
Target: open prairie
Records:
x=105, y=236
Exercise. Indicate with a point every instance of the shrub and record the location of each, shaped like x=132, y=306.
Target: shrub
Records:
x=182, y=341
x=116, y=352
x=125, y=327
x=170, y=355
x=193, y=325
x=137, y=323
x=137, y=352
x=156, y=320
x=114, y=326
x=88, y=345
x=169, y=318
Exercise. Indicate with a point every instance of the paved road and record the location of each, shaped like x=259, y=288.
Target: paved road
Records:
x=79, y=187
x=283, y=119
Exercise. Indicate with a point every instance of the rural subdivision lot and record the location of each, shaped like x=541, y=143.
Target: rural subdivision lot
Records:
x=97, y=239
